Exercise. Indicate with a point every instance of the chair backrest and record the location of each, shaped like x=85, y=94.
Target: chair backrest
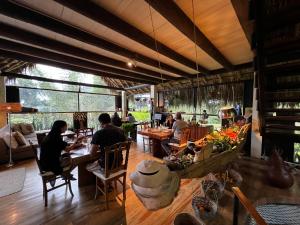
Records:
x=185, y=135
x=119, y=163
x=36, y=155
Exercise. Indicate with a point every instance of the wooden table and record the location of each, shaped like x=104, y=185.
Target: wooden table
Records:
x=81, y=157
x=157, y=135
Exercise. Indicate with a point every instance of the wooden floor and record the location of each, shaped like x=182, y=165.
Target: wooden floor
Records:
x=26, y=207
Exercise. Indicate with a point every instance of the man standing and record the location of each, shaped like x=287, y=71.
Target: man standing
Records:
x=178, y=126
x=107, y=136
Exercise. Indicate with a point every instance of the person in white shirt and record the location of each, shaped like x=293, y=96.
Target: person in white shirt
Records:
x=178, y=126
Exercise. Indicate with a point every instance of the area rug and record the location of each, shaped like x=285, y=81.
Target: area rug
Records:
x=12, y=181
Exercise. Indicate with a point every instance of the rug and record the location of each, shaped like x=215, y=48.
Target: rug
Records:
x=12, y=181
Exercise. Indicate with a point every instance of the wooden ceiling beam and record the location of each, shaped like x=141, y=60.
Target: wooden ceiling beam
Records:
x=28, y=50
x=20, y=35
x=170, y=11
x=37, y=60
x=28, y=77
x=13, y=10
x=104, y=17
x=241, y=8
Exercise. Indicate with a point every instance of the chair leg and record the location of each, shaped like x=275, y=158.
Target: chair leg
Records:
x=144, y=147
x=45, y=192
x=106, y=194
x=96, y=193
x=70, y=188
x=124, y=187
x=115, y=188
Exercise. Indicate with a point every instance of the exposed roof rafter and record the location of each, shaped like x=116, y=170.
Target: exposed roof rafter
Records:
x=102, y=16
x=33, y=59
x=13, y=10
x=169, y=10
x=39, y=53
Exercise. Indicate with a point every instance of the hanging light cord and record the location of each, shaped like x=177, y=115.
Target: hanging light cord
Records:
x=196, y=52
x=155, y=42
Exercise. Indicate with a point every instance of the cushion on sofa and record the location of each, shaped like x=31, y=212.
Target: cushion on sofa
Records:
x=32, y=138
x=26, y=128
x=7, y=140
x=16, y=127
x=20, y=138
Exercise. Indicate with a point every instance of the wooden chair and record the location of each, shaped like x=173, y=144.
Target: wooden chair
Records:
x=185, y=136
x=48, y=176
x=117, y=170
x=147, y=141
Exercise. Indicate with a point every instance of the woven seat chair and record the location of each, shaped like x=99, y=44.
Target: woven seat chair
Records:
x=48, y=176
x=113, y=173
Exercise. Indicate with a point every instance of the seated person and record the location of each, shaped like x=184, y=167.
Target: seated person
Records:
x=52, y=147
x=116, y=120
x=131, y=118
x=177, y=128
x=107, y=136
x=204, y=117
x=239, y=121
x=170, y=121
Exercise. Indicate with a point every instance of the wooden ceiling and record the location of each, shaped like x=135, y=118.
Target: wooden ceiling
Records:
x=166, y=40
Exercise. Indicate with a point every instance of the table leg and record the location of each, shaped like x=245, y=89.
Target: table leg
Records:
x=85, y=177
x=157, y=149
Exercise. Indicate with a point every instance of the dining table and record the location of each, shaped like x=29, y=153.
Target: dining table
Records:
x=157, y=135
x=81, y=157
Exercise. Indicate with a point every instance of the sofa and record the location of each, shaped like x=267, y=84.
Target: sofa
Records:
x=22, y=135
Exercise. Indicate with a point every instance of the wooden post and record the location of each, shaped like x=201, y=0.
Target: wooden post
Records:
x=124, y=104
x=3, y=115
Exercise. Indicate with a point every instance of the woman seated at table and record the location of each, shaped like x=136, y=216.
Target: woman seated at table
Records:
x=52, y=147
x=170, y=121
x=116, y=120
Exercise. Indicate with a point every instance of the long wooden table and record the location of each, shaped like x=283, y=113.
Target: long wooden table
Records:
x=157, y=135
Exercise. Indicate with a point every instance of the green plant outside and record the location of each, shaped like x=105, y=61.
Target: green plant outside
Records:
x=141, y=116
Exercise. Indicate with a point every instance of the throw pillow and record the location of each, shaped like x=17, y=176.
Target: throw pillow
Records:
x=27, y=128
x=20, y=138
x=14, y=143
x=16, y=127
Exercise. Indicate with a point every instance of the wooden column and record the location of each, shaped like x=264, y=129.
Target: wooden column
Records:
x=124, y=104
x=154, y=100
x=3, y=115
x=256, y=139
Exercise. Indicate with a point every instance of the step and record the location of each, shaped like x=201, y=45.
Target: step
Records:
x=283, y=69
x=282, y=110
x=291, y=135
x=285, y=17
x=283, y=118
x=283, y=96
x=282, y=127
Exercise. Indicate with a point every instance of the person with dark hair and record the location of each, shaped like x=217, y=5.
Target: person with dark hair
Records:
x=116, y=120
x=106, y=136
x=52, y=147
x=170, y=121
x=131, y=118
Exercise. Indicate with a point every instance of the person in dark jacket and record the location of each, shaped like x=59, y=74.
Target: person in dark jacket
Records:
x=106, y=136
x=116, y=120
x=52, y=147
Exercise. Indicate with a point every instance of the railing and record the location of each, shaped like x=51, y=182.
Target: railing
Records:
x=240, y=197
